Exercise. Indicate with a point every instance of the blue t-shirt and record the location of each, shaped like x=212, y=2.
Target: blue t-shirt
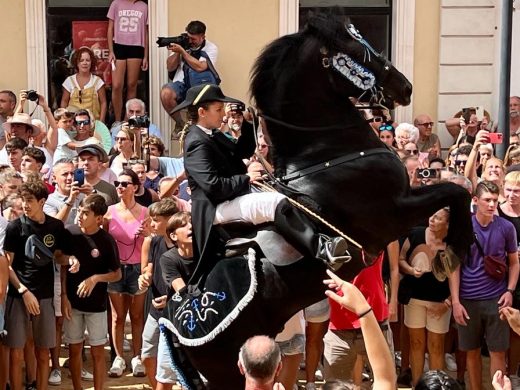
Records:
x=171, y=166
x=496, y=239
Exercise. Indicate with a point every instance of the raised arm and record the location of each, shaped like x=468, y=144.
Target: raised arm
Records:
x=376, y=346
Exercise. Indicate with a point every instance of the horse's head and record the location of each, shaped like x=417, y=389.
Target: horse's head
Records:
x=326, y=63
x=351, y=57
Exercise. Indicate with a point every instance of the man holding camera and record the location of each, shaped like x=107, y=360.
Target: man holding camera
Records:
x=174, y=92
x=135, y=108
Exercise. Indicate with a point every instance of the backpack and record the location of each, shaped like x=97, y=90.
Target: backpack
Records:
x=193, y=78
x=35, y=249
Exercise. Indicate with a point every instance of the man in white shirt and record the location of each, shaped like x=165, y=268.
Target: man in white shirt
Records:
x=174, y=92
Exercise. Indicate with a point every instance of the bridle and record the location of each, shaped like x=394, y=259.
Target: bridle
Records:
x=356, y=73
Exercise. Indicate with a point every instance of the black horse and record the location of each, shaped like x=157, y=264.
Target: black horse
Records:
x=331, y=160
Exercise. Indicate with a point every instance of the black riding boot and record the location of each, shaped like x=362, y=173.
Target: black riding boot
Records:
x=294, y=225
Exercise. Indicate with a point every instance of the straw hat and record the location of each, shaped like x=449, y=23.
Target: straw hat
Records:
x=23, y=119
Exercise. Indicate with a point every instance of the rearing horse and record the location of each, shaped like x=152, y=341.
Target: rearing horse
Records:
x=332, y=160
x=327, y=153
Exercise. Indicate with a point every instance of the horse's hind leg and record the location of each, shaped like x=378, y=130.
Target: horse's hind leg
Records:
x=423, y=202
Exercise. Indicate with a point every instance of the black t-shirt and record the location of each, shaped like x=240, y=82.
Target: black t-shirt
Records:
x=426, y=287
x=98, y=256
x=159, y=287
x=175, y=266
x=516, y=222
x=39, y=280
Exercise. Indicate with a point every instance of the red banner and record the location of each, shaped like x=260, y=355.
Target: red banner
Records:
x=93, y=34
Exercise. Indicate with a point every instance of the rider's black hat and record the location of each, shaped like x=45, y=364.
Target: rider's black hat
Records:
x=204, y=93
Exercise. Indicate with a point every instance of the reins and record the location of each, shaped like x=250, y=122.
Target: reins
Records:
x=267, y=188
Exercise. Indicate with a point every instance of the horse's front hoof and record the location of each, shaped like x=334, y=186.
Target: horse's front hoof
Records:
x=333, y=251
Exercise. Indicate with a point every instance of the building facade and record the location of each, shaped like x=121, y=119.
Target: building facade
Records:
x=449, y=49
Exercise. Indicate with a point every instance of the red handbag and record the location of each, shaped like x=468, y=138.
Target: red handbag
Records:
x=494, y=266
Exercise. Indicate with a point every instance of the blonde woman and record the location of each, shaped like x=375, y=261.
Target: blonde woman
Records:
x=127, y=146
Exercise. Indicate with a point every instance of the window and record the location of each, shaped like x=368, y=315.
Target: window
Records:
x=373, y=19
x=70, y=25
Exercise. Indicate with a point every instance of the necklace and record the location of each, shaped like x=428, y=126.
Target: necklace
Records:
x=129, y=208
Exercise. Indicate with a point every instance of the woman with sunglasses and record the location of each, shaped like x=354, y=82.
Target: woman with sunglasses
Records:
x=127, y=222
x=387, y=135
x=126, y=145
x=84, y=89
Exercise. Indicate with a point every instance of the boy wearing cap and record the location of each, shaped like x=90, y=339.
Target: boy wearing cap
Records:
x=220, y=186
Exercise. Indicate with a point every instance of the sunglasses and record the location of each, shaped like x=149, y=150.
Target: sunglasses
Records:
x=413, y=151
x=376, y=119
x=84, y=122
x=386, y=128
x=123, y=184
x=121, y=139
x=426, y=124
x=460, y=162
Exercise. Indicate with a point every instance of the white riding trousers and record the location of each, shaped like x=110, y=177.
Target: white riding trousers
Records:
x=255, y=208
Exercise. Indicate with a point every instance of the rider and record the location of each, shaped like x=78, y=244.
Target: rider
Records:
x=220, y=186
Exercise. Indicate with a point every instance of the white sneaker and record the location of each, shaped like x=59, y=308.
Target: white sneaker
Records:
x=126, y=346
x=451, y=363
x=138, y=369
x=118, y=367
x=318, y=374
x=55, y=377
x=86, y=376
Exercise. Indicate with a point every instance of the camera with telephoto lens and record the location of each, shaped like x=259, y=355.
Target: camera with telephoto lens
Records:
x=181, y=40
x=32, y=95
x=139, y=121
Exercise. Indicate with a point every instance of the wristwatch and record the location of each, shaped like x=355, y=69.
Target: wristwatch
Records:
x=511, y=291
x=22, y=290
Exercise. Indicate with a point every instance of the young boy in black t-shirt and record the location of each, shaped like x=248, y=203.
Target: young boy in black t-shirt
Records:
x=151, y=277
x=85, y=293
x=177, y=266
x=31, y=281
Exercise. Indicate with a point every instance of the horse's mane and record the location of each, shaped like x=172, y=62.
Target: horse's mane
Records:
x=272, y=70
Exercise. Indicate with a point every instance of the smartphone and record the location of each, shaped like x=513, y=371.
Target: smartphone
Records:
x=427, y=173
x=423, y=156
x=79, y=176
x=495, y=138
x=479, y=111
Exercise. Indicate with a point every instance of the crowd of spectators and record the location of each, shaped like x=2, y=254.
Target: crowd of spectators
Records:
x=108, y=217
